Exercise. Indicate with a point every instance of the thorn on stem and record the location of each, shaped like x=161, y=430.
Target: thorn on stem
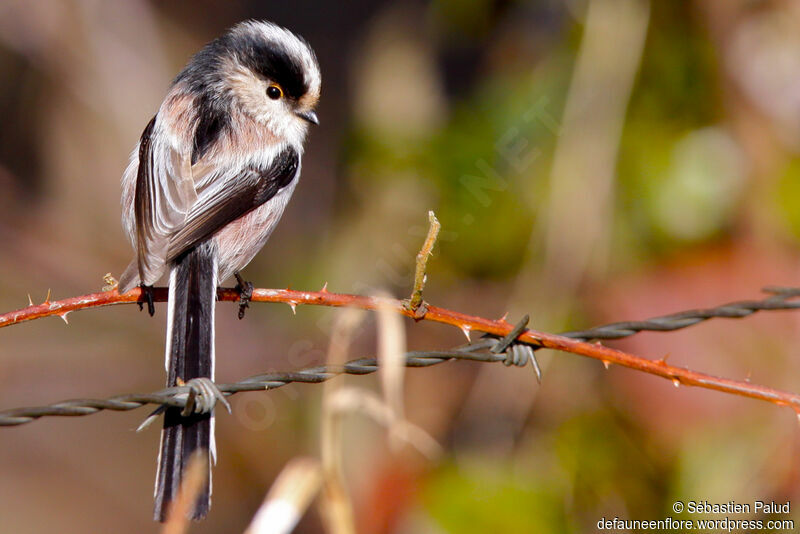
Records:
x=466, y=329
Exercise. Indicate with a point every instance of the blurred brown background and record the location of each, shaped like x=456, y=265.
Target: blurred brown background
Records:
x=589, y=161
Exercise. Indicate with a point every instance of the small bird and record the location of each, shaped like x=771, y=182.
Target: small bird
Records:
x=205, y=187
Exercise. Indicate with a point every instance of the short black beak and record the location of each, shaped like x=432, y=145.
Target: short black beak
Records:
x=310, y=116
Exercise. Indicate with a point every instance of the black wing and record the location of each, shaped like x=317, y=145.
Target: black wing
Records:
x=249, y=190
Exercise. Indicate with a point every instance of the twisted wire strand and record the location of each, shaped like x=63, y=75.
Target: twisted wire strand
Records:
x=176, y=396
x=779, y=300
x=480, y=351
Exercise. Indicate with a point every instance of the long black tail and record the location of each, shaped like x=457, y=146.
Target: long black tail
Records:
x=190, y=354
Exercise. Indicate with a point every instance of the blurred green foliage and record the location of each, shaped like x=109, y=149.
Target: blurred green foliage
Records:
x=673, y=189
x=595, y=464
x=492, y=498
x=786, y=197
x=681, y=181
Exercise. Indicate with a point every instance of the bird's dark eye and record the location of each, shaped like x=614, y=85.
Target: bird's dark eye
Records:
x=274, y=92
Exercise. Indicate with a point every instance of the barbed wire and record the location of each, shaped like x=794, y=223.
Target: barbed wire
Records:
x=176, y=396
x=480, y=351
x=675, y=321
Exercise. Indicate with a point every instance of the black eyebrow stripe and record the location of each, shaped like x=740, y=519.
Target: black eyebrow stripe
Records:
x=268, y=59
x=273, y=62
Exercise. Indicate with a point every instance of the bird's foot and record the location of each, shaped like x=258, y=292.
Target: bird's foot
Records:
x=245, y=290
x=148, y=296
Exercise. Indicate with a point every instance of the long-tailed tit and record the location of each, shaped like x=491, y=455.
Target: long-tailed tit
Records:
x=205, y=187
